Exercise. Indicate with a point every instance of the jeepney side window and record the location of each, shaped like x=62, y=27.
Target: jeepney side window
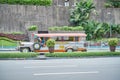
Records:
x=55, y=38
x=76, y=38
x=71, y=38
x=64, y=38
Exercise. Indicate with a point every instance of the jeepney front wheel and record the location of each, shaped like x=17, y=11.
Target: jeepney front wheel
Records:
x=36, y=46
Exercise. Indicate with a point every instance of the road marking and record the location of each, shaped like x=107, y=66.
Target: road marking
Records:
x=51, y=66
x=66, y=73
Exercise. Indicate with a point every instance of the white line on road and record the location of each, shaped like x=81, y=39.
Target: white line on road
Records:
x=66, y=73
x=51, y=66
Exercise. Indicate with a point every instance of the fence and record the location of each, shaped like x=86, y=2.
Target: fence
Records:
x=99, y=46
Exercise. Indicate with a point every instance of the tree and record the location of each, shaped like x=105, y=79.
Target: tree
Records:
x=89, y=28
x=118, y=29
x=115, y=29
x=80, y=14
x=102, y=30
x=96, y=30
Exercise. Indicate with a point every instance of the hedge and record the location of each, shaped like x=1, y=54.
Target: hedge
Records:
x=83, y=54
x=28, y=2
x=64, y=55
x=18, y=55
x=66, y=28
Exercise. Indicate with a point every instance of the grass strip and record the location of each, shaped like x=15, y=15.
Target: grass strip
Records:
x=18, y=55
x=83, y=54
x=73, y=54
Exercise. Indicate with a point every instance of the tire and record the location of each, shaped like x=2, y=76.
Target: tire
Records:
x=69, y=50
x=25, y=50
x=84, y=50
x=36, y=46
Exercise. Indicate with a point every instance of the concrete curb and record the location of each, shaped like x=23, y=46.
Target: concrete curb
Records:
x=21, y=59
x=51, y=58
x=34, y=58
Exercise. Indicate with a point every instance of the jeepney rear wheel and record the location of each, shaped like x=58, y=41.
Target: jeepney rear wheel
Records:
x=69, y=50
x=84, y=50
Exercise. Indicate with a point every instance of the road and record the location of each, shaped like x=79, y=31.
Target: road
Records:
x=61, y=69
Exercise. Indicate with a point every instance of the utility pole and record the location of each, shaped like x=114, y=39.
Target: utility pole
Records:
x=109, y=15
x=110, y=30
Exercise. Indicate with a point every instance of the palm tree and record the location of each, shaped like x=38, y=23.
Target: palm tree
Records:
x=89, y=28
x=102, y=31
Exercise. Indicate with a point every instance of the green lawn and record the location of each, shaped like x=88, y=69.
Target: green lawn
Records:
x=7, y=42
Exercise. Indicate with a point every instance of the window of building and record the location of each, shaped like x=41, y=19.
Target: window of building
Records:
x=66, y=2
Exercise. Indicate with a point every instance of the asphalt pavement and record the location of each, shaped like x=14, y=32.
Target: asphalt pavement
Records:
x=61, y=69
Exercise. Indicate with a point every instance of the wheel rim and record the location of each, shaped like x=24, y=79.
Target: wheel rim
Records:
x=25, y=50
x=69, y=50
x=36, y=46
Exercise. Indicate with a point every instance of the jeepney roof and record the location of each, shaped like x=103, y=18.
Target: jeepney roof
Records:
x=60, y=34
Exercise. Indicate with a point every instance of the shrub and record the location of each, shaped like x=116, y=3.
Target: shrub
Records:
x=66, y=28
x=33, y=28
x=17, y=33
x=113, y=42
x=83, y=54
x=112, y=3
x=28, y=2
x=50, y=43
x=107, y=5
x=18, y=55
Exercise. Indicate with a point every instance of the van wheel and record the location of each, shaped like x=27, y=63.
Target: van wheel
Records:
x=25, y=50
x=36, y=46
x=69, y=50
